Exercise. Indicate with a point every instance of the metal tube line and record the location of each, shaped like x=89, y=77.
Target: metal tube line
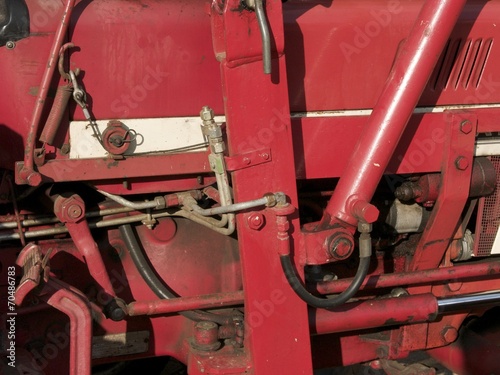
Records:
x=425, y=277
x=168, y=306
x=234, y=207
x=408, y=78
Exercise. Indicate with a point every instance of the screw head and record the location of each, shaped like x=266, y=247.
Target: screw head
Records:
x=246, y=161
x=466, y=127
x=461, y=163
x=10, y=45
x=265, y=156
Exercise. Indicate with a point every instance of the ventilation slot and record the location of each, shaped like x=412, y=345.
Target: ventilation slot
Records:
x=461, y=65
x=488, y=217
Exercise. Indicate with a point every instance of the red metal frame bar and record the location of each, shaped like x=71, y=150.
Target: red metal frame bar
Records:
x=453, y=193
x=470, y=271
x=410, y=73
x=107, y=168
x=167, y=306
x=28, y=174
x=374, y=313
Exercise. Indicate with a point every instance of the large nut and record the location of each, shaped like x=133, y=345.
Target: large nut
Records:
x=207, y=113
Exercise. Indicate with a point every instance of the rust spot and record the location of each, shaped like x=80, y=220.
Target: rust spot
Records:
x=114, y=163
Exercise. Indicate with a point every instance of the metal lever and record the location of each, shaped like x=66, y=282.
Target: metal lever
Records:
x=258, y=6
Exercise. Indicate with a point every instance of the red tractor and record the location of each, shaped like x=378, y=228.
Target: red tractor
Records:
x=250, y=186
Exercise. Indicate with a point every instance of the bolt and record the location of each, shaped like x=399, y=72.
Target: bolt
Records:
x=341, y=248
x=466, y=127
x=450, y=334
x=206, y=336
x=255, y=221
x=10, y=45
x=246, y=161
x=74, y=211
x=461, y=163
x=265, y=155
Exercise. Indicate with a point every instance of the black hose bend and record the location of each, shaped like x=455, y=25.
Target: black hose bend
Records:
x=324, y=303
x=155, y=283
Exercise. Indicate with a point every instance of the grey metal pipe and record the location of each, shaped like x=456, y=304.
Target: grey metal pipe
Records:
x=45, y=220
x=265, y=35
x=158, y=202
x=234, y=207
x=460, y=303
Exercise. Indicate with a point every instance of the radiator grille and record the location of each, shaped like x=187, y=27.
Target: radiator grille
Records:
x=488, y=217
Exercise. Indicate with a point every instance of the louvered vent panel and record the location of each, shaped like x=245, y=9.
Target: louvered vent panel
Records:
x=461, y=65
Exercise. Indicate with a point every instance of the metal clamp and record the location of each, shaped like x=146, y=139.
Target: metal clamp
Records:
x=80, y=96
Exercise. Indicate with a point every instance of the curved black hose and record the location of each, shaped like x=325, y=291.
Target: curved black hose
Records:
x=324, y=303
x=155, y=284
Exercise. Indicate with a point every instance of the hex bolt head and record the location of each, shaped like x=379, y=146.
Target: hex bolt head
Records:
x=461, y=163
x=466, y=127
x=256, y=221
x=340, y=246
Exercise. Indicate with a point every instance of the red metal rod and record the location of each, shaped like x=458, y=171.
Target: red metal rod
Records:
x=76, y=306
x=84, y=242
x=410, y=73
x=28, y=174
x=167, y=306
x=486, y=269
x=374, y=313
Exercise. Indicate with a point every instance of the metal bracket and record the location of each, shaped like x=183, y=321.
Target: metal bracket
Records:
x=247, y=159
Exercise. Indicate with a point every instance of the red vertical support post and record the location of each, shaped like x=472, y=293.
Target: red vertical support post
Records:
x=410, y=73
x=257, y=113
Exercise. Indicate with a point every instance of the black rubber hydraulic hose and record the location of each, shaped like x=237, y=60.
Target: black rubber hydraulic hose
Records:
x=156, y=284
x=365, y=251
x=324, y=303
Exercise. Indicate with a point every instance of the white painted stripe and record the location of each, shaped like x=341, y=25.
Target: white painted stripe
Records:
x=154, y=135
